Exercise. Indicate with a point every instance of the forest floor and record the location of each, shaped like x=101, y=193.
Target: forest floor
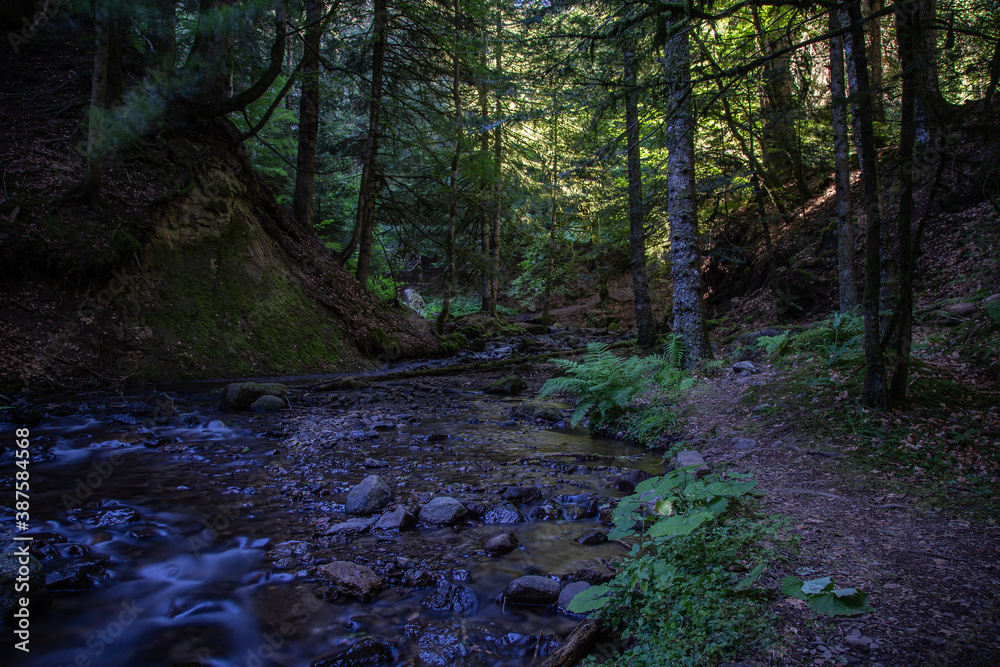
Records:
x=865, y=503
x=869, y=507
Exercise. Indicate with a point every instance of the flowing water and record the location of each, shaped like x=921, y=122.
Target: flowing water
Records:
x=196, y=540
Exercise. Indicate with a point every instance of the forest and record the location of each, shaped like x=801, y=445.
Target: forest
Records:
x=471, y=332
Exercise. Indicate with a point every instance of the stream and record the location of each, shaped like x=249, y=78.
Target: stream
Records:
x=175, y=534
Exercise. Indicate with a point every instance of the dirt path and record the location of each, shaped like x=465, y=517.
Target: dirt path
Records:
x=932, y=576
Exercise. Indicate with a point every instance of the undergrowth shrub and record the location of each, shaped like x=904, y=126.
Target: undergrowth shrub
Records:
x=686, y=593
x=623, y=396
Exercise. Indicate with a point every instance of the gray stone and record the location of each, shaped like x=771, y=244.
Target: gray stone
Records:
x=456, y=598
x=442, y=511
x=570, y=592
x=354, y=526
x=593, y=537
x=628, y=480
x=241, y=395
x=375, y=463
x=508, y=386
x=745, y=367
x=370, y=496
x=744, y=444
x=503, y=513
x=689, y=458
x=522, y=494
x=532, y=589
x=268, y=404
x=399, y=518
x=413, y=300
x=501, y=543
x=352, y=579
x=365, y=653
x=115, y=517
x=550, y=510
x=539, y=410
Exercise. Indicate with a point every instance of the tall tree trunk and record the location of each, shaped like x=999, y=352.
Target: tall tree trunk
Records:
x=848, y=280
x=685, y=259
x=497, y=179
x=486, y=213
x=907, y=31
x=553, y=218
x=97, y=121
x=645, y=326
x=874, y=32
x=929, y=105
x=364, y=222
x=305, y=165
x=858, y=95
x=453, y=190
x=874, y=391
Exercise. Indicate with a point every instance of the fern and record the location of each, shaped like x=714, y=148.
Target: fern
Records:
x=602, y=382
x=774, y=344
x=714, y=366
x=674, y=351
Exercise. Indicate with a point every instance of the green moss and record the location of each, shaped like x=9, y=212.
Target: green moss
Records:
x=214, y=311
x=459, y=339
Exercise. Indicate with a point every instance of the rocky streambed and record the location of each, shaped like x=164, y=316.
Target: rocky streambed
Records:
x=412, y=522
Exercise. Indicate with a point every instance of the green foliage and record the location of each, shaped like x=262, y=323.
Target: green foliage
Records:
x=384, y=287
x=460, y=305
x=646, y=426
x=673, y=351
x=775, y=345
x=824, y=599
x=687, y=595
x=713, y=366
x=603, y=383
x=992, y=309
x=834, y=337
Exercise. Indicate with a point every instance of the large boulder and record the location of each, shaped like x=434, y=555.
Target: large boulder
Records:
x=352, y=579
x=370, y=496
x=532, y=589
x=691, y=460
x=503, y=513
x=241, y=395
x=501, y=543
x=456, y=598
x=540, y=410
x=511, y=385
x=398, y=518
x=629, y=479
x=522, y=494
x=268, y=404
x=570, y=592
x=443, y=511
x=365, y=653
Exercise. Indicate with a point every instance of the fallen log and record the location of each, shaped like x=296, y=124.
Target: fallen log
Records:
x=455, y=369
x=576, y=645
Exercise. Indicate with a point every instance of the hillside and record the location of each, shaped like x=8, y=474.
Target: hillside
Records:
x=185, y=268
